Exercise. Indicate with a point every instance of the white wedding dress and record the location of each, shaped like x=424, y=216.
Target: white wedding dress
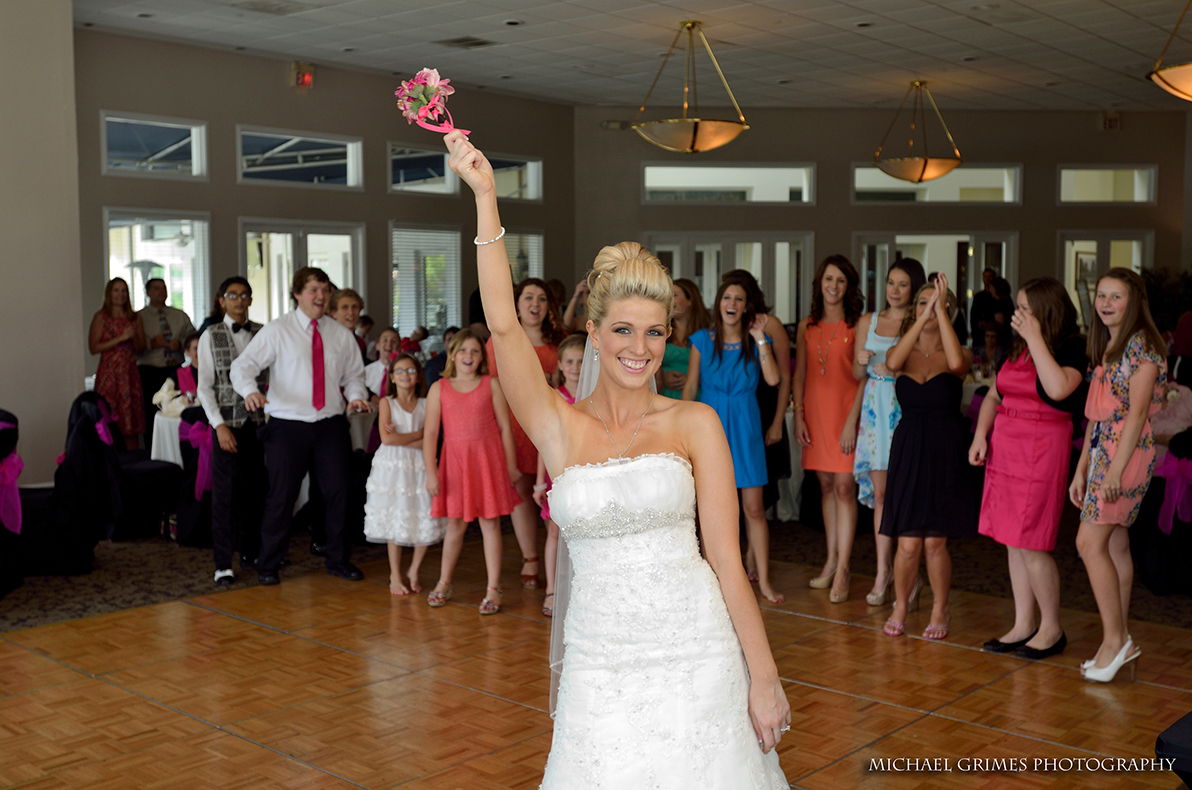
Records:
x=654, y=688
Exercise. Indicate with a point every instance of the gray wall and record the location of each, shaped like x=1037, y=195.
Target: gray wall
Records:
x=44, y=334
x=608, y=178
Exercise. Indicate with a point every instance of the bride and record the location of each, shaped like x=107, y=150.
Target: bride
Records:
x=668, y=680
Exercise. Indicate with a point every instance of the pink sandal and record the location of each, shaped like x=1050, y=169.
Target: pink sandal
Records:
x=936, y=632
x=489, y=606
x=893, y=628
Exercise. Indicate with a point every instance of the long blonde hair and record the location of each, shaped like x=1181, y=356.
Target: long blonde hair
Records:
x=626, y=270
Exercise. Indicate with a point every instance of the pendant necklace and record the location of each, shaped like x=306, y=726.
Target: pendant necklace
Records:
x=823, y=355
x=621, y=453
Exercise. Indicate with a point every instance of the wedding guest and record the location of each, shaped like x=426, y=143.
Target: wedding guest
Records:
x=214, y=317
x=413, y=343
x=689, y=317
x=117, y=335
x=364, y=327
x=1003, y=305
x=880, y=412
x=576, y=315
x=238, y=478
x=188, y=374
x=345, y=307
x=1027, y=456
x=994, y=349
x=376, y=374
x=929, y=496
x=310, y=357
x=1115, y=467
x=959, y=322
x=434, y=365
x=164, y=328
x=981, y=311
x=827, y=406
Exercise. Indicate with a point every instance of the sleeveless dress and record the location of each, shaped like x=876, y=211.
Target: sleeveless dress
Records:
x=730, y=388
x=654, y=689
x=1026, y=468
x=117, y=378
x=545, y=512
x=675, y=359
x=1107, y=406
x=828, y=396
x=527, y=453
x=931, y=491
x=880, y=414
x=473, y=477
x=398, y=506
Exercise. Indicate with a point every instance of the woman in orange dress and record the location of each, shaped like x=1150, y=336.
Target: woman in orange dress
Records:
x=539, y=317
x=827, y=404
x=117, y=336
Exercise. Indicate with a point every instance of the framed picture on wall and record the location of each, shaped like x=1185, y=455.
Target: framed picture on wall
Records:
x=1086, y=284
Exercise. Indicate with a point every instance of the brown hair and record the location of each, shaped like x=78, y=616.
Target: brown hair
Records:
x=624, y=270
x=552, y=323
x=854, y=302
x=1137, y=319
x=305, y=275
x=419, y=378
x=1053, y=309
x=912, y=311
x=107, y=297
x=457, y=341
x=913, y=269
x=343, y=293
x=746, y=322
x=697, y=317
x=576, y=341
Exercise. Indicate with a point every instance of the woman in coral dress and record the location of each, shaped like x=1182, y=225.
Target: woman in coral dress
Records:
x=117, y=336
x=1118, y=458
x=827, y=404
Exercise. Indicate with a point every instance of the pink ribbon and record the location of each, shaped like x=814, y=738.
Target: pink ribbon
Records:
x=437, y=111
x=10, y=496
x=101, y=427
x=199, y=436
x=1178, y=496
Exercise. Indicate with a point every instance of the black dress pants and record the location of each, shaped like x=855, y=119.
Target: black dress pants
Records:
x=291, y=449
x=238, y=487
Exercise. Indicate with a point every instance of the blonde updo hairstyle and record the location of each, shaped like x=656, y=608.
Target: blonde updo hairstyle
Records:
x=624, y=270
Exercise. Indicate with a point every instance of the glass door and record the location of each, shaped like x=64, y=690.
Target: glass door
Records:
x=872, y=255
x=1089, y=254
x=274, y=249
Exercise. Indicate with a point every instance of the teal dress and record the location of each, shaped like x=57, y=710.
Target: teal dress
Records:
x=675, y=360
x=730, y=387
x=880, y=414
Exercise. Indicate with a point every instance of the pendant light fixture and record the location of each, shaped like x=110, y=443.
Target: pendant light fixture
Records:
x=1177, y=79
x=690, y=134
x=918, y=165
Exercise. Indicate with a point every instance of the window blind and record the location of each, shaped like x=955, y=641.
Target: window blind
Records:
x=425, y=278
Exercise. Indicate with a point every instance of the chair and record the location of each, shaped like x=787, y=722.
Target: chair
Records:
x=194, y=514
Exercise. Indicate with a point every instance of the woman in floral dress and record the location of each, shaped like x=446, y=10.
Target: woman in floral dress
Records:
x=117, y=336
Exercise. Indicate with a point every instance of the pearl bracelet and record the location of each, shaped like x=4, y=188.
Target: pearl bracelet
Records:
x=480, y=243
x=541, y=487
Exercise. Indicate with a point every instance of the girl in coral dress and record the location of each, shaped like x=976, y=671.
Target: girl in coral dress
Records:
x=827, y=404
x=1118, y=458
x=473, y=477
x=539, y=317
x=117, y=336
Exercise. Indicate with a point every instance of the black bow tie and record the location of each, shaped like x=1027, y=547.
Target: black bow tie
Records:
x=237, y=327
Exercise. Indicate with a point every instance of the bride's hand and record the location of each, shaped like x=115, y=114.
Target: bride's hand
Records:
x=769, y=711
x=469, y=164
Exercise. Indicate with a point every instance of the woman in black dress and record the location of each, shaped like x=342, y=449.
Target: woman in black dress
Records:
x=929, y=491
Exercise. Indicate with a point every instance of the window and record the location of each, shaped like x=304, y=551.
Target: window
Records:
x=518, y=178
x=298, y=158
x=273, y=249
x=715, y=183
x=148, y=146
x=171, y=245
x=420, y=170
x=425, y=276
x=965, y=184
x=525, y=255
x=1107, y=184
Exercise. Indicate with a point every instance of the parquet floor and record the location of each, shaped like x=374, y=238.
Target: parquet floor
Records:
x=322, y=683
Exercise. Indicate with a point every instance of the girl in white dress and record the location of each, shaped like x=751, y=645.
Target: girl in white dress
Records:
x=398, y=508
x=668, y=680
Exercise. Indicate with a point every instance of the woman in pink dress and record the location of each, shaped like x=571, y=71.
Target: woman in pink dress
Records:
x=1118, y=458
x=539, y=317
x=1026, y=459
x=117, y=336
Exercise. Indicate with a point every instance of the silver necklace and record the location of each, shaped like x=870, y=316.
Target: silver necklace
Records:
x=621, y=453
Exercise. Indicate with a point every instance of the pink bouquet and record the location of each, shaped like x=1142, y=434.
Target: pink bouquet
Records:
x=425, y=97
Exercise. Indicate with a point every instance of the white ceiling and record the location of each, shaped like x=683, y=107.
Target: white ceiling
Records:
x=979, y=54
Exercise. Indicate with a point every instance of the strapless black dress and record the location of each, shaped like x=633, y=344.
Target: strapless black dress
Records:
x=931, y=490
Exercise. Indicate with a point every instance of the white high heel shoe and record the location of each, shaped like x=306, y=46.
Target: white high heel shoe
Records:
x=1106, y=674
x=1092, y=662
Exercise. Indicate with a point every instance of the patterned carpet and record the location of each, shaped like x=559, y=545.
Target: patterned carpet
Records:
x=154, y=570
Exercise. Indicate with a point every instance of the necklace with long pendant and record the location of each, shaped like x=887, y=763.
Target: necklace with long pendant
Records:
x=621, y=453
x=823, y=355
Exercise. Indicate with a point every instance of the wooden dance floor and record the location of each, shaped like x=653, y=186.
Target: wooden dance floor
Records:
x=323, y=683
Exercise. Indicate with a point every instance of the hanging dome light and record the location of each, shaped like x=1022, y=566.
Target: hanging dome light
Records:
x=1177, y=79
x=690, y=135
x=918, y=165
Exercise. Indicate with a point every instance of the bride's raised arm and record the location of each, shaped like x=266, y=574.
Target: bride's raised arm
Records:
x=537, y=408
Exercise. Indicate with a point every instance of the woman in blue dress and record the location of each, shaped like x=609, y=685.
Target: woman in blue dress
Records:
x=879, y=408
x=724, y=371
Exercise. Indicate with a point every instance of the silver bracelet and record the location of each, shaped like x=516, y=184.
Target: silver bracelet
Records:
x=480, y=243
x=541, y=487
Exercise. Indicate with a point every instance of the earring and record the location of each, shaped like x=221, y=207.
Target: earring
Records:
x=596, y=356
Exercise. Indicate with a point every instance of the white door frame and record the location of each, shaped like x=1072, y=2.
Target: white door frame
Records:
x=301, y=228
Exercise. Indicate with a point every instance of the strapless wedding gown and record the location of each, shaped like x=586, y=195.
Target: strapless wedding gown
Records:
x=654, y=688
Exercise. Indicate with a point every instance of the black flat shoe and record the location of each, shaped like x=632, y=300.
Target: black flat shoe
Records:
x=997, y=646
x=345, y=570
x=268, y=579
x=1032, y=654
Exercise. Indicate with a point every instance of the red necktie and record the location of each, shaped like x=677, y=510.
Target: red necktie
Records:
x=318, y=395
